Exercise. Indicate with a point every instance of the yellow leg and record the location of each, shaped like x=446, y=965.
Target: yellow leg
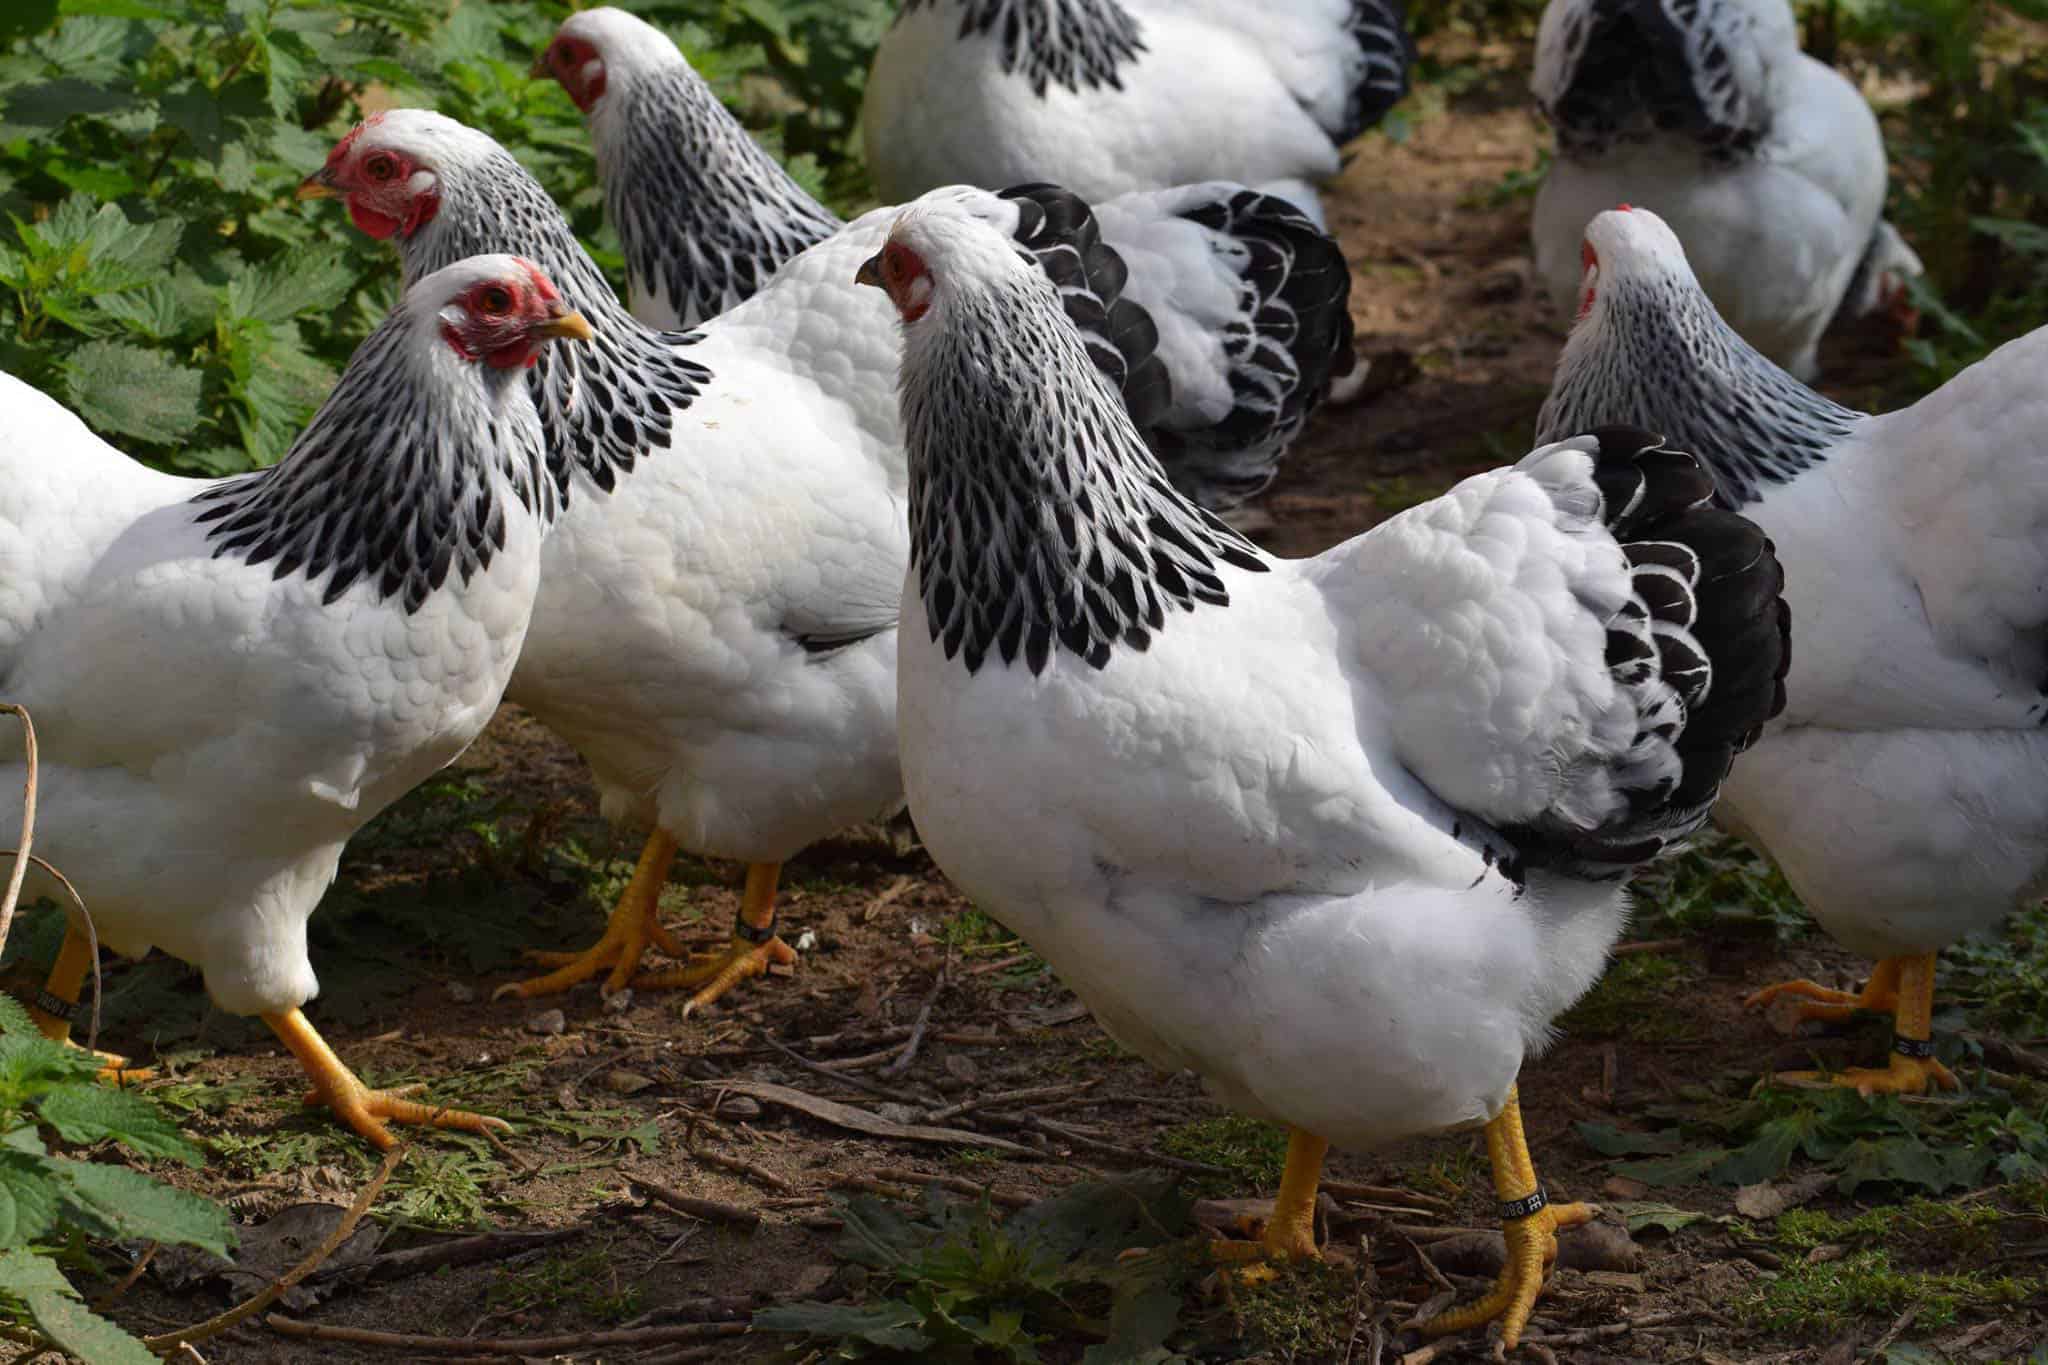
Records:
x=1290, y=1234
x=362, y=1108
x=635, y=925
x=1880, y=995
x=1531, y=1238
x=1912, y=1069
x=755, y=945
x=67, y=980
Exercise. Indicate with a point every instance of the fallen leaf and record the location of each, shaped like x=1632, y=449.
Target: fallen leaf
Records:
x=1621, y=1187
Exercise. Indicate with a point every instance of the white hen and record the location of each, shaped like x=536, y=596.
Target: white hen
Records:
x=715, y=628
x=1768, y=164
x=1343, y=834
x=1904, y=792
x=1242, y=299
x=1109, y=96
x=230, y=677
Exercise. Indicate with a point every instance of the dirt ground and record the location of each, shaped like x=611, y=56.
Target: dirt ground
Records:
x=435, y=902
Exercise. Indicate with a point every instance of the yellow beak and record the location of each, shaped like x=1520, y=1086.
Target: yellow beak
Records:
x=318, y=185
x=870, y=271
x=565, y=325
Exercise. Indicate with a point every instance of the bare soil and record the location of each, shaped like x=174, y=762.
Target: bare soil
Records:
x=1463, y=345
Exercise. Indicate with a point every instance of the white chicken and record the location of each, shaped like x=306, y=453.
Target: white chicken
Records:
x=1109, y=96
x=715, y=628
x=1904, y=792
x=1245, y=298
x=1344, y=834
x=230, y=677
x=1767, y=163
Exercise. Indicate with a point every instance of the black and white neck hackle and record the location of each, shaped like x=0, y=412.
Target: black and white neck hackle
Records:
x=1039, y=521
x=704, y=213
x=1628, y=71
x=1075, y=44
x=398, y=481
x=605, y=404
x=1653, y=353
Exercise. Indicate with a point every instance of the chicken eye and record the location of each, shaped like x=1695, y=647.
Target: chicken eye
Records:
x=496, y=301
x=380, y=167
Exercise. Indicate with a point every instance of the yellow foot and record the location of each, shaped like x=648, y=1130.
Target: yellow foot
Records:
x=1905, y=1076
x=114, y=1069
x=1880, y=995
x=716, y=973
x=1532, y=1246
x=1289, y=1232
x=634, y=927
x=362, y=1108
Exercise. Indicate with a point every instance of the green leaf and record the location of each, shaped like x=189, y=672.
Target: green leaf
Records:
x=1766, y=1155
x=1642, y=1215
x=53, y=1303
x=162, y=311
x=1608, y=1140
x=28, y=1201
x=14, y=1018
x=26, y=16
x=91, y=1113
x=23, y=1273
x=891, y=1324
x=130, y=390
x=113, y=1201
x=287, y=287
x=1682, y=1169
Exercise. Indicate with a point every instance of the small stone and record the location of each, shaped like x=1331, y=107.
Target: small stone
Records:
x=703, y=1069
x=548, y=1023
x=623, y=1082
x=1621, y=1187
x=809, y=1280
x=738, y=1107
x=619, y=1001
x=462, y=993
x=898, y=1113
x=961, y=1067
x=806, y=941
x=1832, y=1251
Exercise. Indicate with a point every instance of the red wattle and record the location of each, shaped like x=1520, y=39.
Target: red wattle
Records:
x=368, y=220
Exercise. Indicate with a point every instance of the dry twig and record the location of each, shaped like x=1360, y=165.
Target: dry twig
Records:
x=924, y=1019
x=711, y=1210
x=505, y=1346
x=753, y=1171
x=272, y=1292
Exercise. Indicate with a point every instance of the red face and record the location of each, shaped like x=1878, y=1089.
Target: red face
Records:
x=504, y=322
x=575, y=63
x=387, y=193
x=901, y=273
x=1589, y=260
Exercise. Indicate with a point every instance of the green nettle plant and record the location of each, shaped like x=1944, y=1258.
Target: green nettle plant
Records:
x=156, y=274
x=50, y=1204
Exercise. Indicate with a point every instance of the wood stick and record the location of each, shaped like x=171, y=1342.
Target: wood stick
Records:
x=924, y=1019
x=272, y=1292
x=1351, y=1189
x=759, y=1174
x=711, y=1210
x=488, y=1246
x=1009, y=1199
x=1025, y=1096
x=505, y=1346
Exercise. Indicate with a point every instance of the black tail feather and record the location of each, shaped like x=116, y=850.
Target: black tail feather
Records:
x=1712, y=587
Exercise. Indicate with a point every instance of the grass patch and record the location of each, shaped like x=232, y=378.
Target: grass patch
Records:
x=1819, y=1300
x=1717, y=885
x=1927, y=1228
x=1636, y=998
x=1302, y=1314
x=2001, y=978
x=1448, y=1174
x=587, y=1282
x=1254, y=1152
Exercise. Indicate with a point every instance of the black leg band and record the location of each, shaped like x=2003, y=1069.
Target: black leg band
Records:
x=742, y=929
x=65, y=1011
x=1912, y=1047
x=1522, y=1208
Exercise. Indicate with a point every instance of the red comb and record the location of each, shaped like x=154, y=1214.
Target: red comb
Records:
x=1623, y=207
